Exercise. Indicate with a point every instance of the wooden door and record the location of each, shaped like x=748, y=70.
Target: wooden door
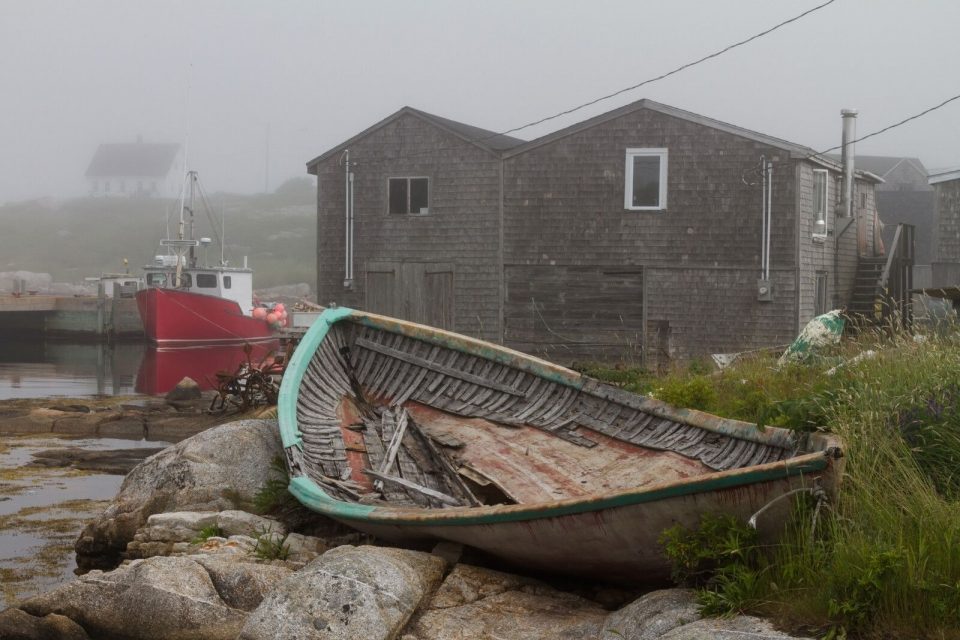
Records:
x=416, y=291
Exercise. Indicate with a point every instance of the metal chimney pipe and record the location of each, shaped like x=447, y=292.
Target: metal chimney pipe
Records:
x=849, y=135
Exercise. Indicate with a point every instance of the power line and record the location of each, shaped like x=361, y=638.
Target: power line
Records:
x=887, y=128
x=664, y=75
x=635, y=86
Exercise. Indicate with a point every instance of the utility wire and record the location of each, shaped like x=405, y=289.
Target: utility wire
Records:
x=632, y=87
x=664, y=75
x=887, y=128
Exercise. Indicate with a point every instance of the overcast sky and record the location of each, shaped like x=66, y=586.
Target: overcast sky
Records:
x=222, y=74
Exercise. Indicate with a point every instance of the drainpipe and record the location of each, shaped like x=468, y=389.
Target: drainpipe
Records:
x=348, y=221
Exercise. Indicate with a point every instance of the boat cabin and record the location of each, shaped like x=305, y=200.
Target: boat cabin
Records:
x=223, y=282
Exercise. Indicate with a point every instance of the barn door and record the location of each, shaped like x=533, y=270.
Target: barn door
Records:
x=416, y=291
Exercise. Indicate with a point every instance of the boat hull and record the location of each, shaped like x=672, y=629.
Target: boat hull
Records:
x=174, y=317
x=610, y=539
x=612, y=509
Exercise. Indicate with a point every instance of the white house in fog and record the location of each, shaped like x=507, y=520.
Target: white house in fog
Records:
x=136, y=169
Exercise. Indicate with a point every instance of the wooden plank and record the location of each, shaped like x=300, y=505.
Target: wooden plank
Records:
x=413, y=486
x=438, y=457
x=426, y=364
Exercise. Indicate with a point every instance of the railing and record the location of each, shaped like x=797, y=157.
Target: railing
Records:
x=896, y=279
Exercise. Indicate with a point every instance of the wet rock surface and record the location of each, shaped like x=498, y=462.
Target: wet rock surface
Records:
x=218, y=469
x=114, y=461
x=135, y=418
x=155, y=599
x=349, y=592
x=199, y=565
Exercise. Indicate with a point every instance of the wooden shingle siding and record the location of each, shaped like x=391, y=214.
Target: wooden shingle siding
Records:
x=564, y=207
x=531, y=243
x=460, y=229
x=595, y=312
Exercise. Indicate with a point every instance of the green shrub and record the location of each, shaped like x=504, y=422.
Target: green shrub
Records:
x=692, y=393
x=274, y=496
x=269, y=546
x=210, y=531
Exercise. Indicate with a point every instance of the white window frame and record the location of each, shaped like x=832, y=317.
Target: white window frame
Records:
x=658, y=152
x=825, y=202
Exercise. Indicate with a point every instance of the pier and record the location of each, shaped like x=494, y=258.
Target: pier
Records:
x=96, y=318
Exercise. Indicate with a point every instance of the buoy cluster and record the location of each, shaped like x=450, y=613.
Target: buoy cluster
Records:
x=275, y=315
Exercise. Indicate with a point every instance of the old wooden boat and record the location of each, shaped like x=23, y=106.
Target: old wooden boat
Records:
x=411, y=433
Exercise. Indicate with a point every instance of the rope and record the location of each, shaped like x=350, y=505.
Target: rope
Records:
x=224, y=329
x=816, y=491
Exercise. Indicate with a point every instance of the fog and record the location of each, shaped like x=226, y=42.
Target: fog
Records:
x=257, y=89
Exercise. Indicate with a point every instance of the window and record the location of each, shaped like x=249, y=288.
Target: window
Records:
x=820, y=295
x=156, y=279
x=207, y=280
x=227, y=282
x=646, y=179
x=820, y=202
x=409, y=195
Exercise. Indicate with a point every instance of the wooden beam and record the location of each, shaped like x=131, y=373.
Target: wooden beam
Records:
x=413, y=486
x=433, y=366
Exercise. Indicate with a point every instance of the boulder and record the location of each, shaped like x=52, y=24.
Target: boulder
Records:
x=364, y=593
x=241, y=523
x=187, y=390
x=155, y=599
x=20, y=625
x=737, y=628
x=480, y=603
x=242, y=584
x=218, y=469
x=653, y=615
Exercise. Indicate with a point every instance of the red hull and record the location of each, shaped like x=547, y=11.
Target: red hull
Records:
x=171, y=316
x=162, y=368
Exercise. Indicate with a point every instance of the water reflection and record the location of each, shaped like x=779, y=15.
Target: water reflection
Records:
x=49, y=369
x=162, y=368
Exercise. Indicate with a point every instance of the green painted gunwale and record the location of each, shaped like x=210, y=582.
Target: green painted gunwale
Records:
x=313, y=497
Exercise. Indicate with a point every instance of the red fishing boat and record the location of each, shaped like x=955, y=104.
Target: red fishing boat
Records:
x=187, y=301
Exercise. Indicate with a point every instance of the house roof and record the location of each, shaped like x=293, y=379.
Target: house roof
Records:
x=507, y=146
x=483, y=138
x=883, y=165
x=944, y=176
x=134, y=159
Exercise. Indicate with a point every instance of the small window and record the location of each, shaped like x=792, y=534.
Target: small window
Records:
x=820, y=202
x=207, y=280
x=820, y=294
x=646, y=180
x=408, y=195
x=156, y=279
x=227, y=282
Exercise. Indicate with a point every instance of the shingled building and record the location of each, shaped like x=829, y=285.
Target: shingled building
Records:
x=136, y=169
x=647, y=233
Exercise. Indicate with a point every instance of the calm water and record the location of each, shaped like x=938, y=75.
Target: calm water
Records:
x=48, y=369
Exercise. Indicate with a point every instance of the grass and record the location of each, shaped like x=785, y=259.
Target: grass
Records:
x=885, y=560
x=271, y=546
x=210, y=531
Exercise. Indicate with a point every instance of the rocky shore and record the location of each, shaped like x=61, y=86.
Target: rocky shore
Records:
x=180, y=554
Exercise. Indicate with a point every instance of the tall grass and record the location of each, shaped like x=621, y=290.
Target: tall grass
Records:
x=885, y=560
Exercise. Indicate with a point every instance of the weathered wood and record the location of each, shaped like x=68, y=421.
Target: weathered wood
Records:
x=402, y=420
x=451, y=472
x=413, y=486
x=427, y=364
